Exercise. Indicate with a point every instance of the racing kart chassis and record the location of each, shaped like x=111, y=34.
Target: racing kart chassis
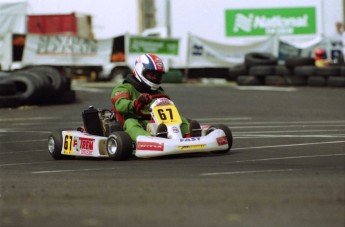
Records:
x=103, y=136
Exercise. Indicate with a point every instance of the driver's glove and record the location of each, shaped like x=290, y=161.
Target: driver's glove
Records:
x=141, y=101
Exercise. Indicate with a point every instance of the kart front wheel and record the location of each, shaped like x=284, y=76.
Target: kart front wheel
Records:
x=119, y=146
x=228, y=134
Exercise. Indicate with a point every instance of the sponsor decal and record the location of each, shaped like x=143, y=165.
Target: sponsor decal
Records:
x=222, y=140
x=86, y=145
x=287, y=21
x=175, y=130
x=190, y=139
x=150, y=146
x=66, y=45
x=163, y=102
x=191, y=147
x=83, y=145
x=153, y=45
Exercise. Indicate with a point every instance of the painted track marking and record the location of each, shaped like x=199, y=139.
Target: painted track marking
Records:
x=287, y=145
x=250, y=172
x=288, y=157
x=71, y=170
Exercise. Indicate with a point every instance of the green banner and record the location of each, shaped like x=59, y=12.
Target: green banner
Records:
x=153, y=45
x=282, y=21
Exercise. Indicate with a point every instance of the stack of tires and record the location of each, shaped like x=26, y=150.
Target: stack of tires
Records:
x=290, y=74
x=263, y=69
x=35, y=86
x=257, y=66
x=301, y=71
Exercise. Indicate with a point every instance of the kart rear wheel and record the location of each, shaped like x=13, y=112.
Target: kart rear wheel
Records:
x=55, y=145
x=119, y=146
x=228, y=134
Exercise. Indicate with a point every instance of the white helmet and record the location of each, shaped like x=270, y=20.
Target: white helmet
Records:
x=149, y=70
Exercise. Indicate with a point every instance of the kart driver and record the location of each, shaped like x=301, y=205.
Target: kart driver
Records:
x=135, y=93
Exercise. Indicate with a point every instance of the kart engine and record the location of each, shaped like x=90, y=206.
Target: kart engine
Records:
x=100, y=122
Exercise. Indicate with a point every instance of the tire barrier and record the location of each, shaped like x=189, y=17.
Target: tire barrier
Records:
x=258, y=65
x=258, y=59
x=36, y=85
x=236, y=71
x=263, y=69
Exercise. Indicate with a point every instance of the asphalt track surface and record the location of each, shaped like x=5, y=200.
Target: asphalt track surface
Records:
x=286, y=167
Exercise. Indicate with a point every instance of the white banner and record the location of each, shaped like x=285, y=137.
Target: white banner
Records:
x=66, y=50
x=13, y=17
x=204, y=53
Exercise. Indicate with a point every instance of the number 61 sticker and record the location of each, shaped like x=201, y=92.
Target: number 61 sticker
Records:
x=67, y=147
x=167, y=114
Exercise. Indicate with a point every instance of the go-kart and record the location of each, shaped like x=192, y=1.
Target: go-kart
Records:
x=102, y=135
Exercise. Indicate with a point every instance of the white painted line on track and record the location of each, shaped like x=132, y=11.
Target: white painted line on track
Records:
x=23, y=163
x=287, y=145
x=288, y=157
x=22, y=131
x=24, y=141
x=225, y=119
x=27, y=119
x=288, y=136
x=71, y=170
x=289, y=131
x=20, y=152
x=265, y=88
x=290, y=122
x=287, y=126
x=250, y=172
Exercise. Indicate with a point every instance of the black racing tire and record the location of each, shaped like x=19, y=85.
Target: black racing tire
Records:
x=7, y=88
x=275, y=80
x=306, y=70
x=328, y=71
x=52, y=74
x=282, y=70
x=119, y=146
x=66, y=84
x=44, y=87
x=228, y=134
x=317, y=81
x=342, y=71
x=55, y=141
x=297, y=80
x=336, y=81
x=247, y=80
x=258, y=58
x=27, y=88
x=10, y=101
x=262, y=70
x=236, y=71
x=294, y=61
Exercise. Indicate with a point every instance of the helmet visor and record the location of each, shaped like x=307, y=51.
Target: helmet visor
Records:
x=153, y=76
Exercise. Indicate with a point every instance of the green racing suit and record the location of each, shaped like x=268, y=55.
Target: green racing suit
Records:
x=123, y=97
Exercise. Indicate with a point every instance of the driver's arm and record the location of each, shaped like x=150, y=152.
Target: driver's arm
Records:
x=122, y=100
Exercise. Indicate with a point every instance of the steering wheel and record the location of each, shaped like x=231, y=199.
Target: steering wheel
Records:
x=148, y=116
